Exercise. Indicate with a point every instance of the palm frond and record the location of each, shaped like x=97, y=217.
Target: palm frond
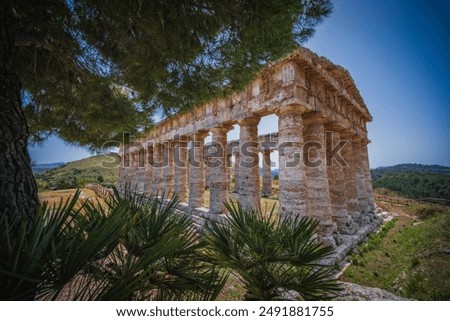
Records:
x=271, y=257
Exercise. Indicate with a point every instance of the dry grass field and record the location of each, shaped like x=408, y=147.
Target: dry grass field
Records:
x=58, y=196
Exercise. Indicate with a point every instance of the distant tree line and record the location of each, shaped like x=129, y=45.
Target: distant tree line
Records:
x=402, y=168
x=414, y=180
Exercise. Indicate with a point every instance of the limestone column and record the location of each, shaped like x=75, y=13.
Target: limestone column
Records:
x=249, y=189
x=141, y=171
x=130, y=170
x=168, y=169
x=237, y=158
x=367, y=175
x=336, y=183
x=267, y=173
x=122, y=170
x=197, y=170
x=181, y=165
x=121, y=173
x=292, y=175
x=361, y=188
x=157, y=168
x=126, y=170
x=319, y=203
x=351, y=194
x=218, y=169
x=148, y=172
x=228, y=171
x=120, y=177
x=206, y=161
x=134, y=171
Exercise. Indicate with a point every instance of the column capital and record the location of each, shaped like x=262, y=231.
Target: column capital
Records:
x=252, y=121
x=180, y=140
x=156, y=143
x=221, y=130
x=347, y=134
x=357, y=139
x=334, y=126
x=179, y=143
x=290, y=109
x=167, y=144
x=314, y=118
x=199, y=135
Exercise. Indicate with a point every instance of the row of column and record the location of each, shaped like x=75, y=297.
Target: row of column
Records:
x=338, y=194
x=153, y=171
x=335, y=190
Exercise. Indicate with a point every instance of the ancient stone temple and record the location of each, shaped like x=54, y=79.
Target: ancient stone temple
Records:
x=321, y=141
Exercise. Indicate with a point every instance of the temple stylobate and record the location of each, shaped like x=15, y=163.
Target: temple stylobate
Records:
x=321, y=142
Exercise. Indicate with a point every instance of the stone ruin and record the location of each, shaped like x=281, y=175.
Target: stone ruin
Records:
x=321, y=141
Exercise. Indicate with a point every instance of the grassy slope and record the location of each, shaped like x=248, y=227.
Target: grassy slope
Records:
x=411, y=259
x=78, y=173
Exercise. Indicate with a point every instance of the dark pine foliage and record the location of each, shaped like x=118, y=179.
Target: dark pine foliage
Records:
x=90, y=70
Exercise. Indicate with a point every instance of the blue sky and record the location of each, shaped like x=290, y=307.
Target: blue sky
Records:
x=398, y=53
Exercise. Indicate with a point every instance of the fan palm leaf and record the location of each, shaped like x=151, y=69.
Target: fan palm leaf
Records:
x=272, y=258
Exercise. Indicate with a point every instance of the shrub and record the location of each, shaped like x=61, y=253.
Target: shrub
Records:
x=133, y=248
x=273, y=259
x=136, y=247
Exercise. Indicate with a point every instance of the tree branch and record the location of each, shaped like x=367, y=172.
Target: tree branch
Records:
x=24, y=40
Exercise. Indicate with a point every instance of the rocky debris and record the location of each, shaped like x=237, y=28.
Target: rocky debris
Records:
x=383, y=215
x=356, y=292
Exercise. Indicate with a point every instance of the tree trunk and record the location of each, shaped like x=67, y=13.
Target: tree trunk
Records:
x=18, y=190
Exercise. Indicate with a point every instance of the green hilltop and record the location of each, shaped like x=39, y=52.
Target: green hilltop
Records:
x=100, y=169
x=414, y=181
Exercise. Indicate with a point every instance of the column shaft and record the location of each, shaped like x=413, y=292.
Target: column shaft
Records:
x=181, y=166
x=126, y=170
x=157, y=169
x=206, y=160
x=141, y=176
x=249, y=189
x=319, y=203
x=368, y=177
x=292, y=194
x=134, y=171
x=336, y=182
x=168, y=169
x=361, y=188
x=236, y=170
x=197, y=171
x=267, y=174
x=351, y=195
x=218, y=169
x=148, y=184
x=229, y=171
x=121, y=180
